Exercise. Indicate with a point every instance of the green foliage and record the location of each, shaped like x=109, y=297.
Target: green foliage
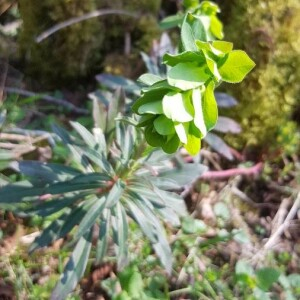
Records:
x=206, y=11
x=268, y=31
x=82, y=46
x=181, y=109
x=113, y=177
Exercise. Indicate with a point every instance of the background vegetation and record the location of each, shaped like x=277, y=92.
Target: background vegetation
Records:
x=239, y=238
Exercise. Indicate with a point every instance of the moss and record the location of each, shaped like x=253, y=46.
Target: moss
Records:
x=269, y=32
x=78, y=50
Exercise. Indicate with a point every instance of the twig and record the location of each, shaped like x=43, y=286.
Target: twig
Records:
x=50, y=99
x=232, y=172
x=274, y=237
x=93, y=14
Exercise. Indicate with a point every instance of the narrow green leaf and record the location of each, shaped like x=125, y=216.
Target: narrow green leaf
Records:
x=60, y=227
x=120, y=229
x=85, y=134
x=171, y=21
x=185, y=174
x=225, y=125
x=90, y=217
x=102, y=243
x=78, y=155
x=115, y=194
x=236, y=66
x=74, y=269
x=17, y=192
x=47, y=208
x=218, y=145
x=115, y=107
x=45, y=172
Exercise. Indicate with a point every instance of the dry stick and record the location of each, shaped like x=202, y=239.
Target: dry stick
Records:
x=274, y=237
x=93, y=14
x=50, y=99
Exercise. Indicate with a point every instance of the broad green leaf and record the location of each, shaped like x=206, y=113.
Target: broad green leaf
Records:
x=149, y=79
x=115, y=194
x=223, y=46
x=209, y=107
x=163, y=125
x=192, y=29
x=193, y=144
x=149, y=97
x=74, y=269
x=171, y=21
x=236, y=65
x=162, y=86
x=216, y=27
x=90, y=217
x=145, y=120
x=182, y=130
x=153, y=138
x=172, y=144
x=178, y=107
x=212, y=65
x=132, y=282
x=102, y=243
x=191, y=225
x=199, y=118
x=266, y=277
x=183, y=57
x=186, y=76
x=151, y=108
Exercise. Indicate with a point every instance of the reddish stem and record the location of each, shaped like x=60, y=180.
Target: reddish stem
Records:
x=256, y=169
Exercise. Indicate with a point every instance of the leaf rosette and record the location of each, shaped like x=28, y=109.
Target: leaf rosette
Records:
x=181, y=109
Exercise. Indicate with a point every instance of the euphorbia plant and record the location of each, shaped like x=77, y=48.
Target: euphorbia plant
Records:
x=115, y=176
x=181, y=109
